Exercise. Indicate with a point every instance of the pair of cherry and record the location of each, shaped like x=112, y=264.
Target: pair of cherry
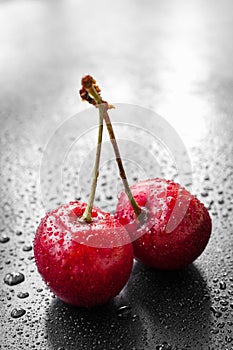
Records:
x=85, y=255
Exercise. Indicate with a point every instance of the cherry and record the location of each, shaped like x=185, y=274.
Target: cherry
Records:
x=178, y=225
x=84, y=264
x=84, y=254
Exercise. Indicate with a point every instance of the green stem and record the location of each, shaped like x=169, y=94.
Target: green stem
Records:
x=87, y=215
x=94, y=94
x=136, y=208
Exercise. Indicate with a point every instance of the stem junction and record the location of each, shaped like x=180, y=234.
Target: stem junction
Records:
x=90, y=92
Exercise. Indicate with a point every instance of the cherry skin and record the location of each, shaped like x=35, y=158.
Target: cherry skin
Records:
x=177, y=228
x=84, y=264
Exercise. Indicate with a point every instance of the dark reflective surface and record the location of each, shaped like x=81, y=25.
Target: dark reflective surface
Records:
x=155, y=307
x=172, y=57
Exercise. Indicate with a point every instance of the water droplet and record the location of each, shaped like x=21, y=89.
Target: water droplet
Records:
x=124, y=311
x=221, y=325
x=27, y=248
x=222, y=285
x=22, y=295
x=204, y=194
x=164, y=346
x=216, y=312
x=16, y=313
x=4, y=239
x=228, y=339
x=13, y=278
x=109, y=197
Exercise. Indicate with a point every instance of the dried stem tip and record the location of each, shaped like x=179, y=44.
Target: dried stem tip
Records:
x=89, y=87
x=88, y=81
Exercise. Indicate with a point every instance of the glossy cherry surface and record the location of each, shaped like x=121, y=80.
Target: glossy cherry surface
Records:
x=84, y=264
x=178, y=226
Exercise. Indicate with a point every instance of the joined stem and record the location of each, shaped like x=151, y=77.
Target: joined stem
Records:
x=90, y=92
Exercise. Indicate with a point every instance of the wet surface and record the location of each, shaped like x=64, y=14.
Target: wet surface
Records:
x=172, y=57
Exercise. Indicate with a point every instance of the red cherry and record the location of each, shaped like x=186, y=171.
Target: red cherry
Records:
x=84, y=264
x=178, y=225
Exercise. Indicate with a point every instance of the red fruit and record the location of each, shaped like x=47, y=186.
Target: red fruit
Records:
x=84, y=264
x=178, y=225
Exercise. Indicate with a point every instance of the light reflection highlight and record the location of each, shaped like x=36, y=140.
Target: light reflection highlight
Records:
x=182, y=102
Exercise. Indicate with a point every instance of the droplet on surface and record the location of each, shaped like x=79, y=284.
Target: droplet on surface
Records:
x=22, y=295
x=228, y=339
x=13, y=278
x=215, y=312
x=123, y=311
x=164, y=346
x=4, y=239
x=18, y=312
x=27, y=248
x=222, y=285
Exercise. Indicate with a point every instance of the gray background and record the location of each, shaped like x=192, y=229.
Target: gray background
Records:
x=173, y=57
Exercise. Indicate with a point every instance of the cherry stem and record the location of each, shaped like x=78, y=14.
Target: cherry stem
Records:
x=90, y=92
x=136, y=208
x=87, y=215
